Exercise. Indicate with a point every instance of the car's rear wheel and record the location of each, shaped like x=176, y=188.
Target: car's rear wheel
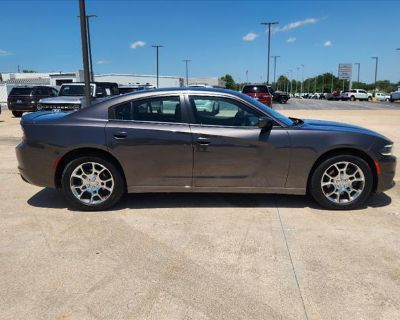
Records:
x=341, y=182
x=282, y=99
x=17, y=114
x=92, y=183
x=352, y=98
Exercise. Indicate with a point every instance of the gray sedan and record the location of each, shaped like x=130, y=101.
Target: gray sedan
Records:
x=199, y=140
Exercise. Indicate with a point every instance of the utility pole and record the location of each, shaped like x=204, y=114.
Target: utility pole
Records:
x=89, y=45
x=297, y=77
x=358, y=71
x=187, y=71
x=157, y=46
x=332, y=82
x=376, y=70
x=269, y=43
x=275, y=57
x=85, y=55
x=291, y=82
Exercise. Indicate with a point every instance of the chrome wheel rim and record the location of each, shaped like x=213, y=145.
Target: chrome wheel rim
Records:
x=91, y=183
x=343, y=182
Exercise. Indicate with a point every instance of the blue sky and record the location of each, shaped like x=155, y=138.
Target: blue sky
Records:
x=45, y=36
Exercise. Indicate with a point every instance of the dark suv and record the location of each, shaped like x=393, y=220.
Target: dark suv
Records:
x=23, y=99
x=259, y=92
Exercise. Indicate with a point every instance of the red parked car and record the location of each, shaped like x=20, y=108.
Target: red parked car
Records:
x=259, y=92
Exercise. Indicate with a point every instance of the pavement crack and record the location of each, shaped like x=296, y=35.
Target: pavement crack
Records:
x=291, y=262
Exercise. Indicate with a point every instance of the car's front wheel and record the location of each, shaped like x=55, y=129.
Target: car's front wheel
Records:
x=17, y=114
x=341, y=182
x=92, y=183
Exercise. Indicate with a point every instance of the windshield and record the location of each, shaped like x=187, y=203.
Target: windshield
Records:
x=74, y=90
x=278, y=116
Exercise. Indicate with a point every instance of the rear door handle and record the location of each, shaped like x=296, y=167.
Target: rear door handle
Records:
x=203, y=141
x=120, y=135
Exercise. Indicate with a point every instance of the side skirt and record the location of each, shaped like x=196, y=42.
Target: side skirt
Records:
x=145, y=189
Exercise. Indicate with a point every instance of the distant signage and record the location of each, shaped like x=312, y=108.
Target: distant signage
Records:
x=345, y=71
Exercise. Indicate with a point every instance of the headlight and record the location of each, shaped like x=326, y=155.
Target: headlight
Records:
x=387, y=150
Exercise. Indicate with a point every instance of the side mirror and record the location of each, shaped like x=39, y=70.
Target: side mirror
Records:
x=265, y=123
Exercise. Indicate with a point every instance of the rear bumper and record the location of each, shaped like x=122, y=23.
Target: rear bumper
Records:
x=388, y=171
x=35, y=165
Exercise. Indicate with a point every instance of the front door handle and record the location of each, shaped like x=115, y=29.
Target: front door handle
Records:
x=203, y=141
x=120, y=135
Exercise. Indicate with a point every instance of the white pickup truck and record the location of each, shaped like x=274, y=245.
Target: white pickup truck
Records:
x=395, y=95
x=357, y=94
x=381, y=97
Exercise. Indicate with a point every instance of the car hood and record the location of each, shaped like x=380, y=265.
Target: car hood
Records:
x=337, y=126
x=63, y=99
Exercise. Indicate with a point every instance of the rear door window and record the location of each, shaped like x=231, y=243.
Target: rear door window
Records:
x=160, y=109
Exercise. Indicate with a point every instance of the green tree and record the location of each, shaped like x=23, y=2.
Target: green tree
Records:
x=229, y=82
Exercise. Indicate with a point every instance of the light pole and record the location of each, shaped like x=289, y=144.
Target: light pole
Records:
x=291, y=82
x=269, y=43
x=376, y=69
x=90, y=46
x=297, y=77
x=332, y=82
x=157, y=46
x=85, y=55
x=247, y=76
x=358, y=71
x=302, y=77
x=275, y=57
x=187, y=71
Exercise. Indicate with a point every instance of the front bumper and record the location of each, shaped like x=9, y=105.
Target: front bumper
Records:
x=387, y=166
x=35, y=164
x=22, y=107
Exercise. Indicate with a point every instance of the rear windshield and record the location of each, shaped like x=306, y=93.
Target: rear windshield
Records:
x=21, y=91
x=255, y=89
x=74, y=90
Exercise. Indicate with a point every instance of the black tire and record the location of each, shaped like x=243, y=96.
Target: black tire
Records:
x=369, y=99
x=282, y=99
x=17, y=114
x=315, y=188
x=352, y=98
x=116, y=194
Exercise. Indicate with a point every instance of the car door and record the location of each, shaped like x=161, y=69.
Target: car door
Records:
x=230, y=150
x=151, y=138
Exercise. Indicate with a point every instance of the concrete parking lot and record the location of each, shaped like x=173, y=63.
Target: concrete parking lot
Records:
x=200, y=256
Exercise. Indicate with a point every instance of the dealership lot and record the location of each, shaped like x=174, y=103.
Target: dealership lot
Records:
x=201, y=256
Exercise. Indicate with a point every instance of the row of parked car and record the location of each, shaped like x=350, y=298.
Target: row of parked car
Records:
x=352, y=95
x=69, y=97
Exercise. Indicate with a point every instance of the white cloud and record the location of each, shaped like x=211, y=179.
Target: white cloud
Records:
x=137, y=44
x=251, y=36
x=103, y=62
x=291, y=40
x=328, y=43
x=4, y=53
x=295, y=25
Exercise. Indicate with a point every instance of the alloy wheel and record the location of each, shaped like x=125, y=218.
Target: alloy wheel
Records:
x=91, y=183
x=343, y=182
